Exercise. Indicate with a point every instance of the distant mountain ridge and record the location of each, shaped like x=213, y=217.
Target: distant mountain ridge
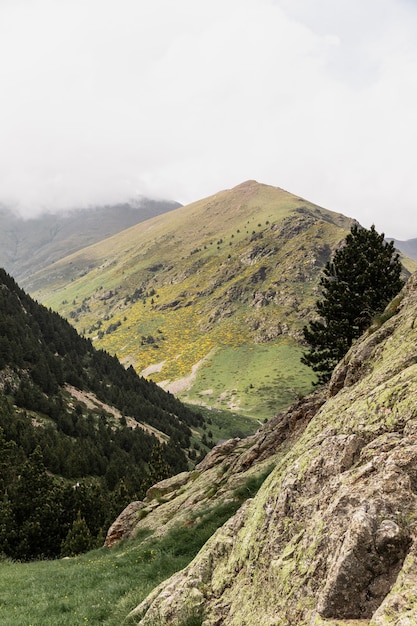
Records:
x=408, y=247
x=27, y=245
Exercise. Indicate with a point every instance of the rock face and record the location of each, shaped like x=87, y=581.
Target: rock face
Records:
x=125, y=524
x=331, y=536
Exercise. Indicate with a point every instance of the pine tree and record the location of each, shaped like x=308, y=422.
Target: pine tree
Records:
x=78, y=539
x=158, y=468
x=362, y=278
x=36, y=510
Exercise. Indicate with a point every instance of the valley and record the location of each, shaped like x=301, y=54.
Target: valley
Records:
x=304, y=511
x=80, y=435
x=312, y=520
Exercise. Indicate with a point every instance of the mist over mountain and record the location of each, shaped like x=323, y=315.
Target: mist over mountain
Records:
x=29, y=244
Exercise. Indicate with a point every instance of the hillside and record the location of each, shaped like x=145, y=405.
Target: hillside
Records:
x=74, y=416
x=28, y=245
x=208, y=300
x=331, y=537
x=309, y=522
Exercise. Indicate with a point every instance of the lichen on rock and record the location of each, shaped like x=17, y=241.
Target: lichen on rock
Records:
x=330, y=536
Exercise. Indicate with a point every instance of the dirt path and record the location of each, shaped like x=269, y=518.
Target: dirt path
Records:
x=93, y=403
x=152, y=369
x=182, y=384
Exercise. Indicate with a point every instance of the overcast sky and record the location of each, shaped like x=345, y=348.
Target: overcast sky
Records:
x=103, y=100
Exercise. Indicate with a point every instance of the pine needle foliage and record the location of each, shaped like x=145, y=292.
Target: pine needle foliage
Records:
x=71, y=457
x=358, y=283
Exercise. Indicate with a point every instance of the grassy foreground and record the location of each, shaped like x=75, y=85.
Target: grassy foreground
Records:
x=103, y=586
x=100, y=587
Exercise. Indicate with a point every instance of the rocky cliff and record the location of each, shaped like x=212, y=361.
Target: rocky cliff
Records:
x=331, y=535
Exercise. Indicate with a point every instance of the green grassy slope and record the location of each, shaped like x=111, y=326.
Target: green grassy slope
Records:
x=208, y=300
x=79, y=433
x=102, y=586
x=94, y=589
x=337, y=471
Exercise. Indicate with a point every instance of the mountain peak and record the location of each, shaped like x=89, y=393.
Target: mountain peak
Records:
x=247, y=183
x=252, y=185
x=239, y=270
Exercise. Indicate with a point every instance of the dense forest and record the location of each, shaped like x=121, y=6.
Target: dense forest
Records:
x=67, y=470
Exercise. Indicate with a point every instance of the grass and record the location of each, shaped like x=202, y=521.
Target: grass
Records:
x=98, y=588
x=103, y=586
x=251, y=486
x=254, y=380
x=226, y=424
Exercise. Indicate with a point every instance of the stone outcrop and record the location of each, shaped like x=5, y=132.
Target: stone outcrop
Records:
x=331, y=536
x=124, y=526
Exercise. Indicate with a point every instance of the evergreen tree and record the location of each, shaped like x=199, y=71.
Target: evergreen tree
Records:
x=46, y=437
x=7, y=526
x=78, y=539
x=158, y=468
x=362, y=278
x=36, y=510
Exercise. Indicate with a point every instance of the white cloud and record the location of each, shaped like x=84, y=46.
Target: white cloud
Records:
x=105, y=99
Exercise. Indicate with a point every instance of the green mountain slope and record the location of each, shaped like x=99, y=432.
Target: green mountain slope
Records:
x=209, y=300
x=309, y=522
x=72, y=415
x=27, y=245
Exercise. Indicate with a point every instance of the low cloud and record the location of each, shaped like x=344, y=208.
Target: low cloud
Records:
x=106, y=100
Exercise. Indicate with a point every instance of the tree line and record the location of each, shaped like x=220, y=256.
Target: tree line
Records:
x=67, y=471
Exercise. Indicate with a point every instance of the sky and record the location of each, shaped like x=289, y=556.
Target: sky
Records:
x=106, y=100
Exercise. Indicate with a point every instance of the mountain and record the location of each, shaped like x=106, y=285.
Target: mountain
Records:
x=27, y=245
x=208, y=300
x=408, y=247
x=311, y=521
x=326, y=533
x=72, y=416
